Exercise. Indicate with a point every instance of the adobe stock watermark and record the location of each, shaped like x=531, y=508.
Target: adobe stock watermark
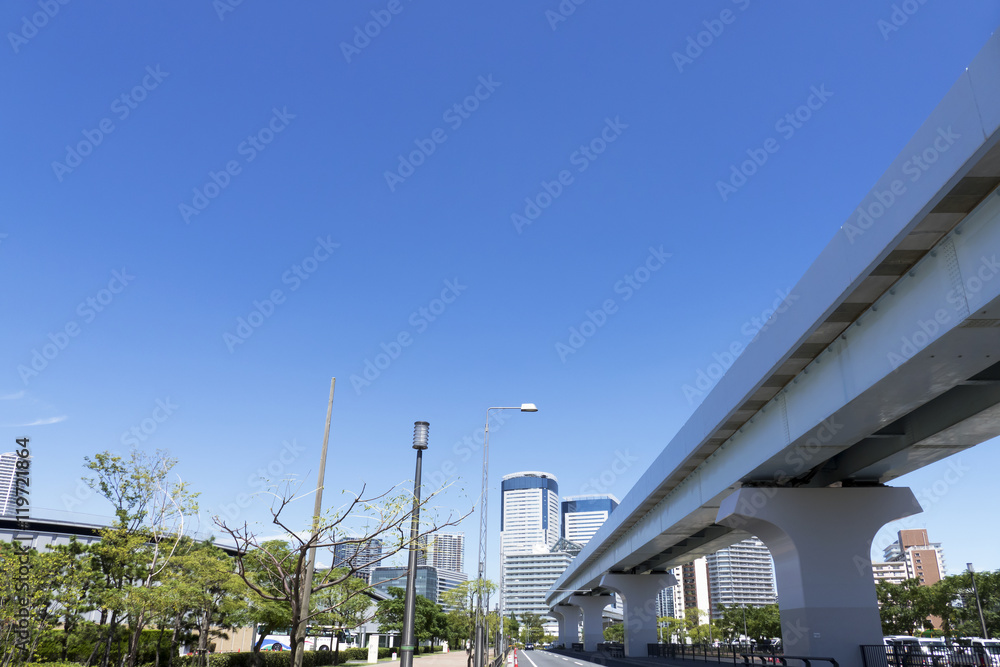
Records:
x=926, y=329
x=464, y=449
x=294, y=276
x=31, y=24
x=563, y=11
x=148, y=426
x=249, y=149
x=927, y=496
x=419, y=320
x=898, y=17
x=454, y=116
x=581, y=158
x=799, y=460
x=879, y=202
x=363, y=36
x=627, y=286
x=786, y=126
x=87, y=311
x=705, y=378
x=697, y=43
x=122, y=107
x=604, y=481
x=261, y=479
x=223, y=7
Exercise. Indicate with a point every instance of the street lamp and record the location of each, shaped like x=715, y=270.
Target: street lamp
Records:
x=979, y=606
x=746, y=636
x=420, y=430
x=480, y=627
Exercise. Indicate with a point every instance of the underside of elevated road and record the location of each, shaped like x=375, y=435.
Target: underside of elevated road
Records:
x=884, y=358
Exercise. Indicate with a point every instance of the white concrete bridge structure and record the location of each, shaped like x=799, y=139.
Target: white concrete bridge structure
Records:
x=884, y=358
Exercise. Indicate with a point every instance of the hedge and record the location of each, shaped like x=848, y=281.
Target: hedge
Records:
x=282, y=658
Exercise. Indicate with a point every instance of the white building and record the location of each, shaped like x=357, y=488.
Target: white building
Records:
x=8, y=498
x=445, y=551
x=529, y=511
x=923, y=559
x=529, y=529
x=741, y=574
x=528, y=577
x=894, y=573
x=582, y=516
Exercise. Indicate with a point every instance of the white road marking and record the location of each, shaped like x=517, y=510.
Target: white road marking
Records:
x=524, y=654
x=577, y=663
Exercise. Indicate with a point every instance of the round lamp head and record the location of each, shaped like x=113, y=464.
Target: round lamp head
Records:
x=420, y=430
x=528, y=407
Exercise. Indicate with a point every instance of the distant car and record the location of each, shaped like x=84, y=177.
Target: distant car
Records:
x=529, y=647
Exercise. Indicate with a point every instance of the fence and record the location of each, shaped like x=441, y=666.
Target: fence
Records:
x=728, y=653
x=911, y=655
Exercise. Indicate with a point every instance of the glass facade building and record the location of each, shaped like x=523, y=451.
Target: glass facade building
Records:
x=583, y=515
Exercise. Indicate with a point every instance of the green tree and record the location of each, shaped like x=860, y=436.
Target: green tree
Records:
x=150, y=509
x=25, y=600
x=427, y=621
x=953, y=601
x=345, y=605
x=512, y=628
x=670, y=629
x=267, y=607
x=532, y=631
x=615, y=633
x=460, y=606
x=761, y=623
x=214, y=595
x=764, y=622
x=904, y=608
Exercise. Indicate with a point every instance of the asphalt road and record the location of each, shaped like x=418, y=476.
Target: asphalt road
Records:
x=546, y=659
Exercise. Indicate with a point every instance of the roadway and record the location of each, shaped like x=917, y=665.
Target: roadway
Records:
x=547, y=659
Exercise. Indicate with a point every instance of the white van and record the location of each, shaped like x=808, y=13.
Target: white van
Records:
x=987, y=651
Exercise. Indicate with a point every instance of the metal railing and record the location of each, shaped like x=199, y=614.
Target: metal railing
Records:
x=500, y=660
x=611, y=649
x=911, y=655
x=724, y=653
x=771, y=658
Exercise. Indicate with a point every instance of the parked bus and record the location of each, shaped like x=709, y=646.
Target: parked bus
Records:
x=318, y=638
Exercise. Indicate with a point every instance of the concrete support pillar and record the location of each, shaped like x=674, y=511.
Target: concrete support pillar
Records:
x=639, y=591
x=593, y=625
x=569, y=624
x=821, y=540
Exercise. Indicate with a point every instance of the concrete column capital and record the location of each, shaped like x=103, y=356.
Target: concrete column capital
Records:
x=820, y=540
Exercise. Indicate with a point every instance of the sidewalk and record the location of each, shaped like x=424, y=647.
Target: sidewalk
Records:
x=451, y=659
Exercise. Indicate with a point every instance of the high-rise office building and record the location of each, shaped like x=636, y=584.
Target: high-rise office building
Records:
x=527, y=577
x=363, y=556
x=529, y=529
x=583, y=515
x=741, y=574
x=445, y=551
x=8, y=497
x=529, y=511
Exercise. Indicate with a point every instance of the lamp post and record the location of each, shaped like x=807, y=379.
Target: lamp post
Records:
x=746, y=636
x=979, y=606
x=420, y=430
x=480, y=626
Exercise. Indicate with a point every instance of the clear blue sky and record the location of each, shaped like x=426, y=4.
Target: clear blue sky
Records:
x=250, y=155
